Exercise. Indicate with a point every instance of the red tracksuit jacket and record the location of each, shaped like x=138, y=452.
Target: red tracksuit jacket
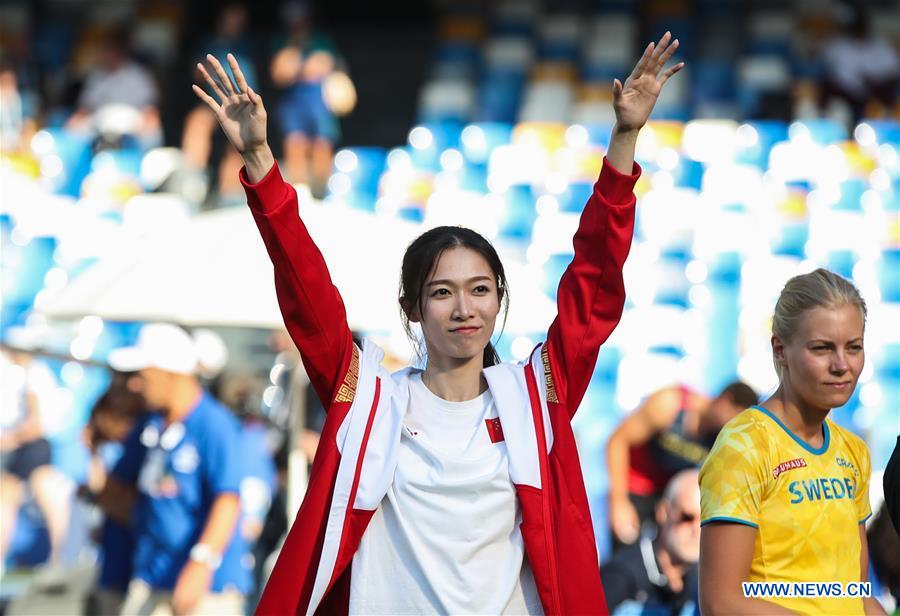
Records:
x=535, y=399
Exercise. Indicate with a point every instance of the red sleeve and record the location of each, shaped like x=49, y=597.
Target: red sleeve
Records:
x=310, y=303
x=591, y=292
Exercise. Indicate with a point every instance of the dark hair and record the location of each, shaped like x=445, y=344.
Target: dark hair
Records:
x=119, y=401
x=420, y=260
x=741, y=394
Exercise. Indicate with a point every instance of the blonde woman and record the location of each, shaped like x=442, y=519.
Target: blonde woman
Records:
x=784, y=491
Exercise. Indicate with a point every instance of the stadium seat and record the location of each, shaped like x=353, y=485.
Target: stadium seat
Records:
x=758, y=76
x=446, y=100
x=519, y=213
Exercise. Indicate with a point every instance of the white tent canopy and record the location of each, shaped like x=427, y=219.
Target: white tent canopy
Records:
x=214, y=270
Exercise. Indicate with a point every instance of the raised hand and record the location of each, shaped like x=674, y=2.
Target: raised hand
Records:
x=241, y=115
x=240, y=110
x=634, y=100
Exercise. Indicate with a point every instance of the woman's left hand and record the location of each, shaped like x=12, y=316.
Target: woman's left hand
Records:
x=634, y=100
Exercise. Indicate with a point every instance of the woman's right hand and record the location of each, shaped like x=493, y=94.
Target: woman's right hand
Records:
x=624, y=519
x=240, y=110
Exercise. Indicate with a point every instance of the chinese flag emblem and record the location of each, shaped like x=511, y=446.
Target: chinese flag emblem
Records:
x=495, y=431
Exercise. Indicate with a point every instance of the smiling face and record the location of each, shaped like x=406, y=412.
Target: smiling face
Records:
x=459, y=306
x=824, y=357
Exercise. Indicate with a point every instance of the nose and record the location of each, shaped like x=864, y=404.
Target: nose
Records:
x=839, y=364
x=462, y=309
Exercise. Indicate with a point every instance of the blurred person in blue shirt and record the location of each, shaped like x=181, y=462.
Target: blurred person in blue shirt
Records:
x=304, y=62
x=178, y=485
x=112, y=420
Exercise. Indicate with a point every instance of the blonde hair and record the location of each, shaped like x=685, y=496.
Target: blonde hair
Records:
x=817, y=289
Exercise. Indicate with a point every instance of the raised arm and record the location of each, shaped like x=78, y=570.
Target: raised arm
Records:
x=310, y=303
x=655, y=415
x=592, y=292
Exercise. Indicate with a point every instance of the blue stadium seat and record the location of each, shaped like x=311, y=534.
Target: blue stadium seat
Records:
x=499, y=94
x=768, y=133
x=599, y=134
x=673, y=286
x=474, y=177
x=24, y=268
x=790, y=239
x=553, y=270
x=519, y=214
x=75, y=153
x=575, y=197
x=479, y=139
x=851, y=195
x=886, y=131
x=688, y=173
x=841, y=262
x=822, y=130
x=125, y=161
x=713, y=81
x=462, y=52
x=889, y=275
x=603, y=71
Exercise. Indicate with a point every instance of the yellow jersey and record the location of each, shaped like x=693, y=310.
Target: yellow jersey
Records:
x=805, y=503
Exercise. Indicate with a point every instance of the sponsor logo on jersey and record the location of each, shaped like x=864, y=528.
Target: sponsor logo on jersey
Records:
x=787, y=466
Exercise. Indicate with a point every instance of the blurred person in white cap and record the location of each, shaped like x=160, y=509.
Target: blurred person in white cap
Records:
x=28, y=392
x=177, y=485
x=212, y=353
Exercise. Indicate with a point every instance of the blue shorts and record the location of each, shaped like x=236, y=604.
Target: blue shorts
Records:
x=302, y=111
x=23, y=461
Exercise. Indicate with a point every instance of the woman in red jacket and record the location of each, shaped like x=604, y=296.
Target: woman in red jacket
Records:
x=456, y=488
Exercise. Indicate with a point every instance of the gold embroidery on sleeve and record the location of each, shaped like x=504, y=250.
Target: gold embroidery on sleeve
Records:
x=347, y=390
x=548, y=378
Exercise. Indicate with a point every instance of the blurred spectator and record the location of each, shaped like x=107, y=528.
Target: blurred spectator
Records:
x=112, y=420
x=17, y=109
x=212, y=358
x=199, y=126
x=304, y=60
x=884, y=554
x=673, y=430
x=658, y=575
x=861, y=67
x=180, y=476
x=892, y=487
x=29, y=387
x=119, y=96
x=258, y=488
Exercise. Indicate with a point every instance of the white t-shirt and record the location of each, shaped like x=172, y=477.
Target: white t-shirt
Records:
x=130, y=84
x=851, y=62
x=446, y=537
x=16, y=383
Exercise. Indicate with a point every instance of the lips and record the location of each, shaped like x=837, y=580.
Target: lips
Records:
x=465, y=330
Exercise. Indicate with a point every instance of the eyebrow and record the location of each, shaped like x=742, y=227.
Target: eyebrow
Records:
x=450, y=282
x=827, y=341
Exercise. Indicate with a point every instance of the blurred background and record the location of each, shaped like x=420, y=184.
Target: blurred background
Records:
x=773, y=152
